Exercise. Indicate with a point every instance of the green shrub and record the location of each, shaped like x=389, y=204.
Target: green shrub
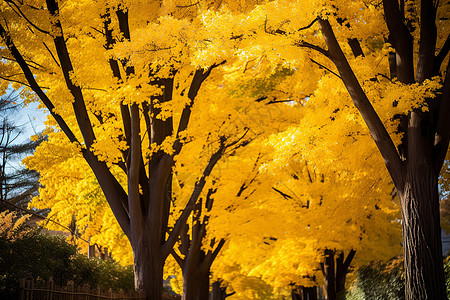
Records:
x=105, y=273
x=381, y=281
x=26, y=253
x=34, y=255
x=447, y=275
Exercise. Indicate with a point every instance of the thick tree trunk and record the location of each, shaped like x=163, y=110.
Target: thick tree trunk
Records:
x=195, y=278
x=148, y=268
x=203, y=289
x=424, y=275
x=195, y=286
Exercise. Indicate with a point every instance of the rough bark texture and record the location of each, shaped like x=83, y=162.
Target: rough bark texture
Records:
x=422, y=236
x=420, y=214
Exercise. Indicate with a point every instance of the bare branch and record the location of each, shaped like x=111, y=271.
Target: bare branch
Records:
x=51, y=54
x=16, y=81
x=303, y=44
x=310, y=24
x=28, y=62
x=325, y=68
x=285, y=196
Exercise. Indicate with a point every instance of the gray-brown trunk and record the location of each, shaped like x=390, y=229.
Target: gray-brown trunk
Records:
x=334, y=270
x=195, y=279
x=424, y=275
x=304, y=293
x=218, y=292
x=148, y=269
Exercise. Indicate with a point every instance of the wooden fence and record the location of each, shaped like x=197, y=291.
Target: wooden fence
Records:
x=30, y=289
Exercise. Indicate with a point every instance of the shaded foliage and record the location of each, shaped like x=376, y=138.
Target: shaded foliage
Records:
x=379, y=281
x=26, y=253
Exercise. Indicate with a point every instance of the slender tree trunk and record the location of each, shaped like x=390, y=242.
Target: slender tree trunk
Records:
x=424, y=276
x=296, y=295
x=328, y=270
x=218, y=292
x=309, y=293
x=334, y=270
x=304, y=293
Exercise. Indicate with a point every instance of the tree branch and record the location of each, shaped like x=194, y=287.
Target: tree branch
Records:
x=16, y=81
x=285, y=196
x=34, y=85
x=443, y=124
x=348, y=260
x=181, y=222
x=26, y=19
x=114, y=193
x=178, y=258
x=51, y=54
x=325, y=68
x=303, y=44
x=309, y=25
x=79, y=105
x=428, y=36
x=134, y=203
x=401, y=40
x=362, y=103
x=439, y=59
x=211, y=256
x=199, y=77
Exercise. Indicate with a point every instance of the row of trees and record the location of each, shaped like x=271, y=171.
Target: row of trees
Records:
x=201, y=123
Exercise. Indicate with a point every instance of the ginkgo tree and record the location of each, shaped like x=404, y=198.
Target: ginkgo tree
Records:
x=121, y=79
x=297, y=209
x=349, y=39
x=124, y=99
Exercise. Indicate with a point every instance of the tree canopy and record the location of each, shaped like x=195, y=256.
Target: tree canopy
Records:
x=269, y=108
